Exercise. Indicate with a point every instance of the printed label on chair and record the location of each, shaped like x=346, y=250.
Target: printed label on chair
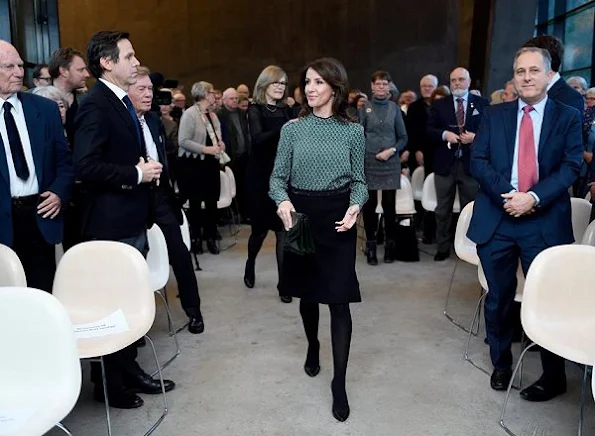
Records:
x=12, y=420
x=110, y=325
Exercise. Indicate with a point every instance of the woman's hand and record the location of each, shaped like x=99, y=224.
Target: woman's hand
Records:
x=221, y=145
x=212, y=150
x=284, y=211
x=348, y=220
x=385, y=154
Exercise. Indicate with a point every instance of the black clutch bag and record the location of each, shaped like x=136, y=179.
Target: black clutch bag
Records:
x=299, y=239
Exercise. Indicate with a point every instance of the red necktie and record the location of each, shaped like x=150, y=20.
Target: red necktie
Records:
x=527, y=160
x=460, y=114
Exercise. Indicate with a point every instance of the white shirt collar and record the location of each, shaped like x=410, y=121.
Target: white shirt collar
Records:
x=465, y=97
x=554, y=80
x=539, y=107
x=120, y=93
x=13, y=100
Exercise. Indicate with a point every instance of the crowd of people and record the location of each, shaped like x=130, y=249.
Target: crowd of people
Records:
x=108, y=162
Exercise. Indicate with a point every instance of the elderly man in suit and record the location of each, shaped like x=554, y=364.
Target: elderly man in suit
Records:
x=452, y=124
x=167, y=214
x=36, y=173
x=119, y=178
x=525, y=156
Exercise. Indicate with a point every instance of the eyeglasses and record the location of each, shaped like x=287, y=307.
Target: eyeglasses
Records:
x=47, y=79
x=279, y=83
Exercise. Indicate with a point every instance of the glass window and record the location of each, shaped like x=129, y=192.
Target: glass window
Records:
x=585, y=72
x=572, y=4
x=578, y=40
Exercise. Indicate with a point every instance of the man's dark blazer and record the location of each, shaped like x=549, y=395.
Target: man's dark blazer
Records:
x=564, y=93
x=443, y=117
x=416, y=122
x=107, y=150
x=160, y=139
x=230, y=134
x=559, y=157
x=53, y=166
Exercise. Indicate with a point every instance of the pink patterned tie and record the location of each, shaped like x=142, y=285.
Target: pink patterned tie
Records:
x=527, y=160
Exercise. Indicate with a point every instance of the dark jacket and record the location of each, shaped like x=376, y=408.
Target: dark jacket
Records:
x=230, y=133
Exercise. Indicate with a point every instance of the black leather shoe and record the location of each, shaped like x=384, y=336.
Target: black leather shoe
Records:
x=371, y=257
x=142, y=382
x=212, y=246
x=286, y=299
x=196, y=325
x=440, y=256
x=249, y=274
x=389, y=251
x=500, y=379
x=540, y=391
x=312, y=365
x=340, y=404
x=120, y=400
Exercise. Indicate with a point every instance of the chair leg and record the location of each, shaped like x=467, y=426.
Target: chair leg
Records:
x=446, y=314
x=470, y=331
x=172, y=333
x=106, y=398
x=195, y=257
x=581, y=420
x=63, y=428
x=165, y=406
x=516, y=369
x=232, y=235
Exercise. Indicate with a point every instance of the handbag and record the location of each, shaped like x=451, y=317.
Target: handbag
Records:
x=224, y=158
x=299, y=239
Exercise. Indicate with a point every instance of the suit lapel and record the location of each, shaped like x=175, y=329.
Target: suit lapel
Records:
x=546, y=127
x=35, y=130
x=121, y=110
x=4, y=163
x=510, y=125
x=469, y=110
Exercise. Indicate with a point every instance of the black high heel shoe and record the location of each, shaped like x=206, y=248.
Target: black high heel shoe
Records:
x=312, y=365
x=340, y=404
x=249, y=274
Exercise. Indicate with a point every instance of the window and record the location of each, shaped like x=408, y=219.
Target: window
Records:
x=573, y=22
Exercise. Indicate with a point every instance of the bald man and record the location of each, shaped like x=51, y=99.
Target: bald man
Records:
x=452, y=124
x=235, y=128
x=243, y=90
x=36, y=173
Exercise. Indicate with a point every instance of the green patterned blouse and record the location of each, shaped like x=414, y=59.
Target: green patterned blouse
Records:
x=320, y=154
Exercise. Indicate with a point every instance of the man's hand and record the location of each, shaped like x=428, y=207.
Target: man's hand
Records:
x=587, y=156
x=385, y=154
x=151, y=170
x=405, y=156
x=519, y=204
x=419, y=157
x=50, y=207
x=284, y=211
x=467, y=137
x=348, y=220
x=592, y=187
x=451, y=137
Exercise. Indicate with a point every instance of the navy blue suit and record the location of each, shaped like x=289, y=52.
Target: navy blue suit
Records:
x=501, y=239
x=53, y=168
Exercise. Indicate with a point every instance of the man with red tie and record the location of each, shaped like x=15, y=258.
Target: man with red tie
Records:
x=525, y=156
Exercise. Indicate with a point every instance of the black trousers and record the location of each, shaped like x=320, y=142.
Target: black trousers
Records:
x=390, y=215
x=73, y=218
x=179, y=256
x=37, y=256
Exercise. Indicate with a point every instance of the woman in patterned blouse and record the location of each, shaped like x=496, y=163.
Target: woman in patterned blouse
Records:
x=319, y=171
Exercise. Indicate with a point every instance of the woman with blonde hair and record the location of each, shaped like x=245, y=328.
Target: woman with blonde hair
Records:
x=200, y=146
x=266, y=115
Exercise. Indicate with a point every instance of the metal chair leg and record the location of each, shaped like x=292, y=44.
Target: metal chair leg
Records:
x=165, y=406
x=470, y=331
x=446, y=314
x=232, y=235
x=106, y=398
x=516, y=369
x=172, y=333
x=581, y=419
x=63, y=428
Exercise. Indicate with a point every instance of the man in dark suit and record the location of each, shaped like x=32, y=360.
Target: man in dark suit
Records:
x=235, y=133
x=525, y=156
x=36, y=173
x=118, y=178
x=452, y=124
x=167, y=214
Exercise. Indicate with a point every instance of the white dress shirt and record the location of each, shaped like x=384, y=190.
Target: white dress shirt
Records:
x=18, y=187
x=537, y=119
x=120, y=93
x=151, y=147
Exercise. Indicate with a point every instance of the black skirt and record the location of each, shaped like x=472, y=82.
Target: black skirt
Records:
x=327, y=276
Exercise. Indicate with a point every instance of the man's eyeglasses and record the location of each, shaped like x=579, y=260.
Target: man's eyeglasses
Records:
x=47, y=79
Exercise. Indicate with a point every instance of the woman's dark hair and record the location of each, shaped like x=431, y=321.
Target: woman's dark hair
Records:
x=441, y=91
x=332, y=72
x=381, y=75
x=103, y=44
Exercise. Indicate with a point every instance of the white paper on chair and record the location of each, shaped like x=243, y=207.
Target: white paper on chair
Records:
x=110, y=325
x=12, y=420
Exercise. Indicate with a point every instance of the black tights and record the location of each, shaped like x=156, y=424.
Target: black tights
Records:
x=257, y=237
x=371, y=218
x=340, y=337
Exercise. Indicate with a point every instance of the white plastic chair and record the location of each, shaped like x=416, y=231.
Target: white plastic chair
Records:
x=588, y=196
x=11, y=269
x=106, y=289
x=417, y=182
x=404, y=202
x=429, y=199
x=185, y=229
x=235, y=214
x=589, y=236
x=40, y=371
x=557, y=309
x=232, y=180
x=581, y=213
x=158, y=261
x=225, y=201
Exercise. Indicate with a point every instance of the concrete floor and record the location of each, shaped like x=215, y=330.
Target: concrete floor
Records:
x=406, y=374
